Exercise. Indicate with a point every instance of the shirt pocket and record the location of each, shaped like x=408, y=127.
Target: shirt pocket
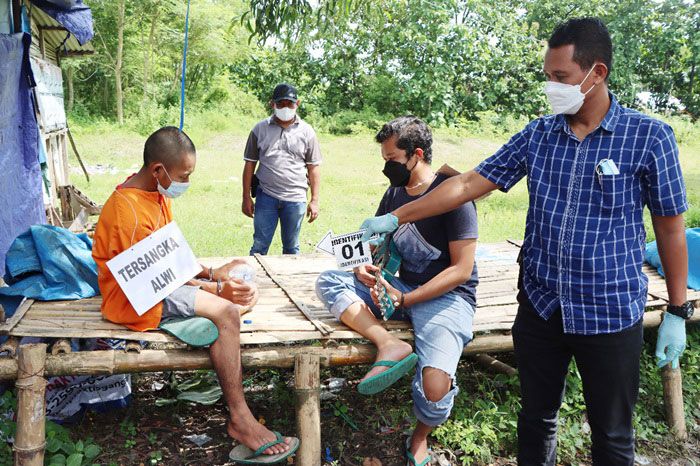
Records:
x=295, y=145
x=616, y=193
x=416, y=252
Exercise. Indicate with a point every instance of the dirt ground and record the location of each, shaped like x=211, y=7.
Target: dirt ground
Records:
x=146, y=434
x=163, y=429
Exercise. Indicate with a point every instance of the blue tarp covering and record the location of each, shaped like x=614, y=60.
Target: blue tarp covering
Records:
x=692, y=236
x=49, y=263
x=20, y=175
x=74, y=16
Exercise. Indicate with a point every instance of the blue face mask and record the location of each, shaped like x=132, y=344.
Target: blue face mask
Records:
x=176, y=188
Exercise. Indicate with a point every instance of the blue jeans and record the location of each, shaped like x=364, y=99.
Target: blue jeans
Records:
x=268, y=210
x=442, y=328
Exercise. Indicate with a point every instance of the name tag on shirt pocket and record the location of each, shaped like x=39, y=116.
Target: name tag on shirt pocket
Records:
x=616, y=191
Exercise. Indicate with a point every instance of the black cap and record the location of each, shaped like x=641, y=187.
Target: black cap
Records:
x=284, y=91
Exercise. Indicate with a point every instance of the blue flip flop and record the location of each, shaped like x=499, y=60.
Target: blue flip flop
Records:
x=244, y=455
x=384, y=380
x=411, y=460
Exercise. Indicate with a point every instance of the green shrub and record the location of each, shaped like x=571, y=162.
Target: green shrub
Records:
x=491, y=124
x=351, y=121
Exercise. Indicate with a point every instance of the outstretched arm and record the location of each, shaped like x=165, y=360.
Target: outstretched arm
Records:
x=448, y=196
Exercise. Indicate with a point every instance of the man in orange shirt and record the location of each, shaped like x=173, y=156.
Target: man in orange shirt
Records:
x=137, y=208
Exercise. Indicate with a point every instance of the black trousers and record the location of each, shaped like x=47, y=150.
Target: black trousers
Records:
x=609, y=367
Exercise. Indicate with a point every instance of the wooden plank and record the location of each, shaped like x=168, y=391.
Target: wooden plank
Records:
x=123, y=334
x=323, y=328
x=22, y=309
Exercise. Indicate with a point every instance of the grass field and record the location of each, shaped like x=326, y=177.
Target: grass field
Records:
x=352, y=182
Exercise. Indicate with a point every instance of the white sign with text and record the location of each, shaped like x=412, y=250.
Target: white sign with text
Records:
x=350, y=251
x=154, y=267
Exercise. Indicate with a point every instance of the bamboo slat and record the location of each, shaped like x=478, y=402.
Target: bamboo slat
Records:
x=16, y=317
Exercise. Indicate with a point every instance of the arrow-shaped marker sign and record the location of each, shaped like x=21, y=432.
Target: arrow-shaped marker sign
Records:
x=325, y=244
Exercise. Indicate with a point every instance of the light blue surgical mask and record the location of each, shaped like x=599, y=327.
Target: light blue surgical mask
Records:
x=176, y=188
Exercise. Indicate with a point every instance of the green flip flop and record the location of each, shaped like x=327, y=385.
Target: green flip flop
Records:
x=384, y=380
x=411, y=460
x=195, y=331
x=244, y=455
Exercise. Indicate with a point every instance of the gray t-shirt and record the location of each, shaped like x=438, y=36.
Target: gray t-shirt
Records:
x=283, y=155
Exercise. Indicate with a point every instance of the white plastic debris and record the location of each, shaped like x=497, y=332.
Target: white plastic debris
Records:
x=198, y=439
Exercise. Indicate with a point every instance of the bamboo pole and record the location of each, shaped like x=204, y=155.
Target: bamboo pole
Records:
x=120, y=362
x=10, y=347
x=307, y=384
x=673, y=401
x=61, y=346
x=494, y=364
x=31, y=387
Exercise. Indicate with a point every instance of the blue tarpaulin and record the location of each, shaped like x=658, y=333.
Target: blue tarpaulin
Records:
x=75, y=16
x=692, y=236
x=20, y=175
x=49, y=263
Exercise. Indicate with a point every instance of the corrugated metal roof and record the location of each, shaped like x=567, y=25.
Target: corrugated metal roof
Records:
x=53, y=38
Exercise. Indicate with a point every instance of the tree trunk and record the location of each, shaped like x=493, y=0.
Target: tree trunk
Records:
x=148, y=51
x=119, y=62
x=69, y=88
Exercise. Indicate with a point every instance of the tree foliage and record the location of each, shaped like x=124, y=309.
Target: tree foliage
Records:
x=444, y=60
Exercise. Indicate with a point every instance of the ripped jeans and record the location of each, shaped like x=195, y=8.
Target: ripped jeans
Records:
x=442, y=328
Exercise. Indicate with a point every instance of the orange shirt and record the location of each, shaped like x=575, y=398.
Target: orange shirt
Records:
x=113, y=234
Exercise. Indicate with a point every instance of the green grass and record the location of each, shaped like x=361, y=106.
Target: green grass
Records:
x=352, y=182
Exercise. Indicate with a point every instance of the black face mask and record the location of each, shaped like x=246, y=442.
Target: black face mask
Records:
x=397, y=173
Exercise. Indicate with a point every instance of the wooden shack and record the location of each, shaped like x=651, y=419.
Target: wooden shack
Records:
x=51, y=43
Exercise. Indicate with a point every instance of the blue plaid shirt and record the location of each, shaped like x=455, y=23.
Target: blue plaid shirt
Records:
x=584, y=235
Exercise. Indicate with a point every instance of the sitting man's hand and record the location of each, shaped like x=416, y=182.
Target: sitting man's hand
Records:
x=366, y=274
x=382, y=225
x=393, y=293
x=239, y=292
x=222, y=273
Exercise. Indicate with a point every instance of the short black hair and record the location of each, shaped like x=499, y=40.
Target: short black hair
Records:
x=411, y=133
x=166, y=146
x=590, y=38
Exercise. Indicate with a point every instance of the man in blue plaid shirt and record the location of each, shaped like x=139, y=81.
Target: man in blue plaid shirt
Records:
x=591, y=167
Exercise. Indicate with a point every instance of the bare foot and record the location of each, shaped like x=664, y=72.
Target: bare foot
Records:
x=419, y=448
x=396, y=350
x=253, y=435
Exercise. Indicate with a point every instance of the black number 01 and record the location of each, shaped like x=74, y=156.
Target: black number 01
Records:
x=346, y=250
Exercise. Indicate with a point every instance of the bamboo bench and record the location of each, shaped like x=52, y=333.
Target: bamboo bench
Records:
x=284, y=330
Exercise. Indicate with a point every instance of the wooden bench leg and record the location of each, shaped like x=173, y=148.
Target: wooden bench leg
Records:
x=673, y=401
x=307, y=385
x=31, y=405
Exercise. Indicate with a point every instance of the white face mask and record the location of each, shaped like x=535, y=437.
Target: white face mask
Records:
x=566, y=98
x=176, y=188
x=285, y=113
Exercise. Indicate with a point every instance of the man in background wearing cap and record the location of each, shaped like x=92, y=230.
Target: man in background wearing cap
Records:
x=289, y=155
